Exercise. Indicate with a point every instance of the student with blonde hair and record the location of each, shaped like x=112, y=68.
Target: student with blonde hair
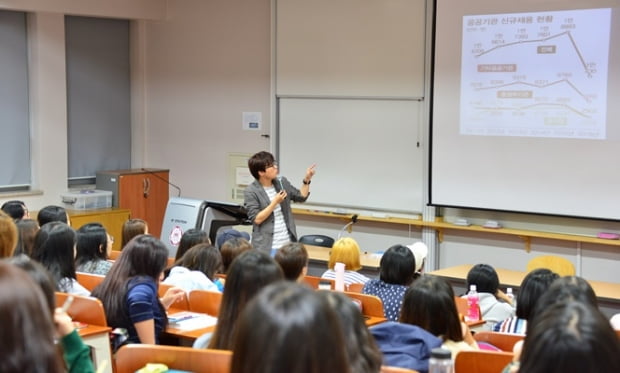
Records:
x=8, y=235
x=347, y=251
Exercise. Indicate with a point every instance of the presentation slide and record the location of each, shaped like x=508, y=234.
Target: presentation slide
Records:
x=525, y=113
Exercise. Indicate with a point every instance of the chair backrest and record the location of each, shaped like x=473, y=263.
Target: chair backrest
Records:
x=88, y=310
x=371, y=305
x=132, y=357
x=481, y=361
x=314, y=282
x=557, y=264
x=182, y=304
x=503, y=341
x=355, y=288
x=88, y=280
x=317, y=240
x=389, y=369
x=114, y=254
x=205, y=301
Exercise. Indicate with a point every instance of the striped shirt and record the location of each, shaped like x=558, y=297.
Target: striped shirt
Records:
x=280, y=231
x=512, y=325
x=350, y=277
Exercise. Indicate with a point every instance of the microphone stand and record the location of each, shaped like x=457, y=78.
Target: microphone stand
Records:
x=161, y=178
x=349, y=226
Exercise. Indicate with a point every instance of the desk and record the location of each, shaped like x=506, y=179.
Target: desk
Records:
x=604, y=290
x=98, y=337
x=321, y=254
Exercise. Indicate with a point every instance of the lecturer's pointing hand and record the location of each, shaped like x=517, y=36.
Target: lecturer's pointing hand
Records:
x=310, y=171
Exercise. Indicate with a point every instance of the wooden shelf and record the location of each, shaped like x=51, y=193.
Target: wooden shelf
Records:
x=440, y=227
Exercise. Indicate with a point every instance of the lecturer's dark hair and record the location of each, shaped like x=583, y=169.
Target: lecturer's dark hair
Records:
x=260, y=162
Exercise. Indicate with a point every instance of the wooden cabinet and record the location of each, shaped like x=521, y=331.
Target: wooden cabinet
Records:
x=112, y=219
x=143, y=191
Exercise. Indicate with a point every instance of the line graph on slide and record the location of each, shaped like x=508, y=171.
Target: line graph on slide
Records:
x=538, y=74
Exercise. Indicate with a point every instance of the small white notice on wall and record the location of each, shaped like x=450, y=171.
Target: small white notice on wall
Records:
x=252, y=120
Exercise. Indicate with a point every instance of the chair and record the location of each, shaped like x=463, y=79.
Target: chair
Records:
x=114, y=254
x=481, y=361
x=88, y=280
x=182, y=304
x=503, y=341
x=205, y=301
x=317, y=240
x=88, y=310
x=132, y=357
x=314, y=282
x=389, y=369
x=371, y=305
x=355, y=288
x=557, y=264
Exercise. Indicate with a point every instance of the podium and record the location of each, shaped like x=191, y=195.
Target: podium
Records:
x=187, y=213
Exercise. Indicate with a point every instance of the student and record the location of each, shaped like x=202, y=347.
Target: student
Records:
x=16, y=210
x=93, y=248
x=76, y=354
x=132, y=228
x=293, y=259
x=52, y=213
x=129, y=291
x=289, y=328
x=531, y=289
x=8, y=235
x=27, y=230
x=347, y=251
x=268, y=203
x=397, y=271
x=196, y=269
x=570, y=337
x=495, y=306
x=364, y=355
x=27, y=332
x=54, y=248
x=249, y=273
x=190, y=238
x=229, y=234
x=231, y=249
x=429, y=303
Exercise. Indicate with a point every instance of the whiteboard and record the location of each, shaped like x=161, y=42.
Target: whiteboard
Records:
x=366, y=151
x=350, y=48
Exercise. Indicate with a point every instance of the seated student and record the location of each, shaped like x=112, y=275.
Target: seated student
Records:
x=196, y=269
x=397, y=271
x=364, y=355
x=347, y=251
x=16, y=210
x=570, y=337
x=293, y=259
x=27, y=230
x=229, y=234
x=289, y=328
x=132, y=228
x=76, y=354
x=232, y=248
x=495, y=306
x=429, y=303
x=249, y=273
x=8, y=235
x=532, y=287
x=27, y=333
x=52, y=213
x=189, y=239
x=93, y=247
x=54, y=248
x=129, y=291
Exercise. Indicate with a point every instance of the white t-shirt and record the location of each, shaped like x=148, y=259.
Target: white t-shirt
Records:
x=280, y=232
x=189, y=280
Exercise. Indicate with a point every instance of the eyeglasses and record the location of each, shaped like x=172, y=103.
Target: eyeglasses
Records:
x=274, y=164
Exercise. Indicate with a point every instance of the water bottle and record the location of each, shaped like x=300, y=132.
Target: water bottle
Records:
x=339, y=283
x=473, y=308
x=441, y=361
x=510, y=296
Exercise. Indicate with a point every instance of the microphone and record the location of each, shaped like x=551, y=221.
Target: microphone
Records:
x=349, y=226
x=147, y=185
x=279, y=178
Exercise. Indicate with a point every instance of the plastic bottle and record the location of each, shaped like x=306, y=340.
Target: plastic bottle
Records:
x=510, y=295
x=473, y=307
x=440, y=361
x=339, y=283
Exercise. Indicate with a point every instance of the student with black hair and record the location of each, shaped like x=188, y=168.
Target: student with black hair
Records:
x=93, y=247
x=495, y=306
x=15, y=209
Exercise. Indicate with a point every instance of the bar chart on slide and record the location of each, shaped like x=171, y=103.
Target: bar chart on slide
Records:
x=541, y=74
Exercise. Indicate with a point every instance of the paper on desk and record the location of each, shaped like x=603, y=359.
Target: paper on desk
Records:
x=191, y=320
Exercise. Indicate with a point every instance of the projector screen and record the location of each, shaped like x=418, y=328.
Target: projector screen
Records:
x=526, y=107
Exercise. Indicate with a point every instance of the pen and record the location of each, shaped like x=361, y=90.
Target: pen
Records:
x=67, y=304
